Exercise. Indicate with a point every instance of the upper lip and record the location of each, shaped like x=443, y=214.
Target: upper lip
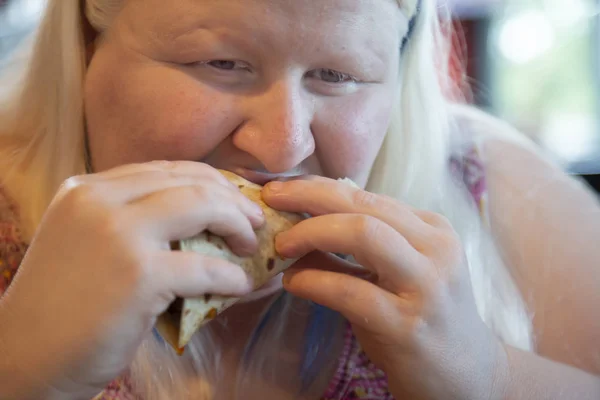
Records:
x=260, y=178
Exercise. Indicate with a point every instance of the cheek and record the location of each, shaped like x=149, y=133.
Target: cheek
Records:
x=350, y=135
x=138, y=113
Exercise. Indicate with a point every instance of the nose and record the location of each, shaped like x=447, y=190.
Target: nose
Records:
x=277, y=127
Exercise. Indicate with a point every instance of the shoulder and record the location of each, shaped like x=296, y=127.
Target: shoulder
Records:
x=475, y=126
x=505, y=154
x=12, y=247
x=545, y=224
x=528, y=192
x=515, y=167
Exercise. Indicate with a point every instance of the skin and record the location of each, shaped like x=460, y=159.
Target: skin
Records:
x=280, y=111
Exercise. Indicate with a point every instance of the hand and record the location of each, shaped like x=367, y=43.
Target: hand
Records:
x=99, y=269
x=416, y=316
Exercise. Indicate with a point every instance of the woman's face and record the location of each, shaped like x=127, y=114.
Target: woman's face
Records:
x=263, y=88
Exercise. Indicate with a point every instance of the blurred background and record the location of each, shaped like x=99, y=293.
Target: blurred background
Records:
x=536, y=64
x=533, y=63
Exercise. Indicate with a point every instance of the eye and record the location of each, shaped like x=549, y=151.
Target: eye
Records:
x=221, y=65
x=332, y=76
x=227, y=65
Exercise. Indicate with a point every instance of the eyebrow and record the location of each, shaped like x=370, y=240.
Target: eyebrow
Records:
x=367, y=56
x=189, y=28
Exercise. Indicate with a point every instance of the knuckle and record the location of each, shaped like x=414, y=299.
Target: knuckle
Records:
x=441, y=221
x=76, y=192
x=161, y=175
x=368, y=228
x=362, y=198
x=71, y=183
x=132, y=261
x=135, y=262
x=135, y=271
x=435, y=219
x=83, y=201
x=181, y=166
x=345, y=293
x=197, y=192
x=211, y=276
x=112, y=224
x=203, y=194
x=449, y=240
x=164, y=164
x=211, y=171
x=447, y=247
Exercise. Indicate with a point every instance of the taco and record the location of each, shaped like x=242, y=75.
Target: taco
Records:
x=185, y=316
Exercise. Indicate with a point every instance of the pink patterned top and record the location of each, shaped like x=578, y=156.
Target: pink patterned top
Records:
x=356, y=376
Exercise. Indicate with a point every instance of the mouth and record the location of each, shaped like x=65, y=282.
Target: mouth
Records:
x=262, y=178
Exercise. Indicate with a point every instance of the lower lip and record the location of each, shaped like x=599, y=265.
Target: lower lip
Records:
x=256, y=177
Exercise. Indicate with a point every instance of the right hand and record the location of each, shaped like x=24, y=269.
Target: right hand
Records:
x=99, y=269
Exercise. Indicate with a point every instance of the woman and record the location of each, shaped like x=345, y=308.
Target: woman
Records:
x=109, y=152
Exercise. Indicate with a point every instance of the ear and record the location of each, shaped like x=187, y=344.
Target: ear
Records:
x=89, y=34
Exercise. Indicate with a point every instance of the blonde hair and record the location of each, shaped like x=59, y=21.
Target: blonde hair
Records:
x=41, y=135
x=42, y=144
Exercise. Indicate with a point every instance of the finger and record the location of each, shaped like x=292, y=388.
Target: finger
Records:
x=361, y=302
x=132, y=187
x=331, y=262
x=182, y=212
x=302, y=177
x=188, y=274
x=130, y=182
x=206, y=192
x=320, y=196
x=191, y=168
x=373, y=243
x=434, y=219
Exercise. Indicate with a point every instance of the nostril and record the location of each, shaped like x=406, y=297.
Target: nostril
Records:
x=279, y=143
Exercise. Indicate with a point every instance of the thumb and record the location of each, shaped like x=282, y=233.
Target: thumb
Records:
x=188, y=274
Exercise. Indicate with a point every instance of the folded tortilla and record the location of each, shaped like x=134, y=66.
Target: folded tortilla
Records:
x=186, y=316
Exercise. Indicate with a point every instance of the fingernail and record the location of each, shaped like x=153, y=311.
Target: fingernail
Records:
x=287, y=277
x=250, y=283
x=258, y=209
x=280, y=243
x=275, y=186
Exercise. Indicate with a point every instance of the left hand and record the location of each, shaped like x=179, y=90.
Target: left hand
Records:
x=416, y=318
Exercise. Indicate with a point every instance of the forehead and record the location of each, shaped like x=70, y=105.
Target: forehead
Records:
x=371, y=22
